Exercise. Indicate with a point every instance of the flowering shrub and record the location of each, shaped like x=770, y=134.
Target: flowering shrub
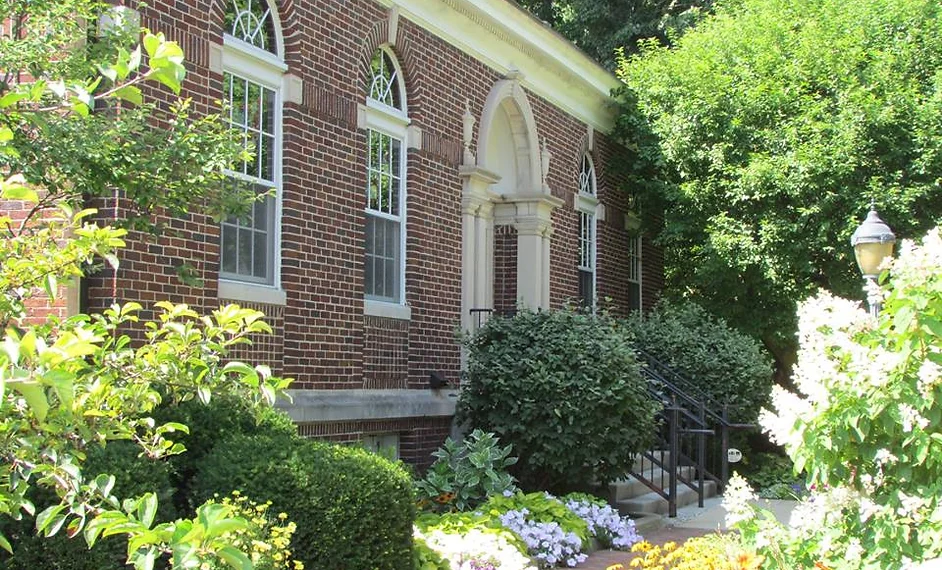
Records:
x=605, y=523
x=866, y=427
x=264, y=540
x=475, y=549
x=713, y=552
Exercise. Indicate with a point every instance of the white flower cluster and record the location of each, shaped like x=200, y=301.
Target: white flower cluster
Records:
x=476, y=549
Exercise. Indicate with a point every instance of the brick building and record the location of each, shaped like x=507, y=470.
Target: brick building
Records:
x=429, y=160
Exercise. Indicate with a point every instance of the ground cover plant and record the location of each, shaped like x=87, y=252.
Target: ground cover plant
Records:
x=515, y=529
x=563, y=388
x=865, y=427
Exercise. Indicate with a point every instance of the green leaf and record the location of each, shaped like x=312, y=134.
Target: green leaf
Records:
x=19, y=192
x=50, y=520
x=135, y=60
x=151, y=43
x=51, y=286
x=147, y=509
x=34, y=395
x=204, y=394
x=109, y=72
x=5, y=544
x=12, y=98
x=235, y=558
x=131, y=94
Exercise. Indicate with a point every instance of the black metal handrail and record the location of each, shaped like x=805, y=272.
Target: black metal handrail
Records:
x=687, y=418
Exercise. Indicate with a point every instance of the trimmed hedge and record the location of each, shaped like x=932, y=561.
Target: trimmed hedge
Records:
x=353, y=509
x=210, y=424
x=564, y=389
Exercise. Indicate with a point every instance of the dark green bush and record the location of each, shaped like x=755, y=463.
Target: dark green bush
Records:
x=563, y=388
x=730, y=367
x=353, y=509
x=134, y=476
x=211, y=424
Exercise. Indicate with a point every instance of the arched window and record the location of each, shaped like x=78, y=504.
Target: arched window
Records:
x=385, y=197
x=252, y=80
x=587, y=205
x=252, y=22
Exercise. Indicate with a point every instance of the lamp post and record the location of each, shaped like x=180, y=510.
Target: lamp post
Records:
x=873, y=242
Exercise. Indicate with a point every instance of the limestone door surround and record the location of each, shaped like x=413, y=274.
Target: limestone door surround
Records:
x=504, y=183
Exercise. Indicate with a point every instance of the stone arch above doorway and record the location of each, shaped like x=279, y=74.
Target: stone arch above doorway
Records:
x=506, y=112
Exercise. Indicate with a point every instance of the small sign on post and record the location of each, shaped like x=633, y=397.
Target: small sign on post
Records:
x=733, y=455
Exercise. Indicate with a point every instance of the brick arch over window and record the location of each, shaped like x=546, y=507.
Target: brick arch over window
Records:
x=402, y=50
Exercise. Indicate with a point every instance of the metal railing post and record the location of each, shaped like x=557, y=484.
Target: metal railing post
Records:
x=701, y=457
x=724, y=448
x=672, y=461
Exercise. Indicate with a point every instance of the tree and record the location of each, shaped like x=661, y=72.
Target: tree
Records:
x=73, y=125
x=601, y=28
x=776, y=122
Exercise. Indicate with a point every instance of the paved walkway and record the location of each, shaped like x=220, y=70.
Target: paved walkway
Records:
x=691, y=521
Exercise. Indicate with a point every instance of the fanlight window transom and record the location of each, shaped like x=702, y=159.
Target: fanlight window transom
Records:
x=587, y=177
x=384, y=83
x=251, y=22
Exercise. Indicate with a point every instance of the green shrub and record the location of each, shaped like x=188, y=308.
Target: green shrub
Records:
x=210, y=424
x=134, y=476
x=563, y=388
x=353, y=509
x=728, y=366
x=465, y=474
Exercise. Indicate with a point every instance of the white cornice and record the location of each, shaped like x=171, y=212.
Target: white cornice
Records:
x=504, y=37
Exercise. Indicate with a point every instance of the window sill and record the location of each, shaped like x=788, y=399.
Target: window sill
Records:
x=252, y=293
x=387, y=310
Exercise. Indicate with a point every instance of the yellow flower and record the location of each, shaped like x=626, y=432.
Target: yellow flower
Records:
x=616, y=567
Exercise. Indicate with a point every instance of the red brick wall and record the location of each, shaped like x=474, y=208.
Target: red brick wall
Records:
x=416, y=435
x=22, y=220
x=322, y=338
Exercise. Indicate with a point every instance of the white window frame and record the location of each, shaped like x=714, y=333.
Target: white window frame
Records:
x=587, y=202
x=636, y=267
x=244, y=60
x=390, y=121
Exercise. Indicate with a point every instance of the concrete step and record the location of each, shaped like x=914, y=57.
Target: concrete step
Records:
x=646, y=523
x=651, y=502
x=641, y=462
x=632, y=487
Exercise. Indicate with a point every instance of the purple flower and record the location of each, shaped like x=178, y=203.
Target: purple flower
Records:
x=606, y=524
x=547, y=543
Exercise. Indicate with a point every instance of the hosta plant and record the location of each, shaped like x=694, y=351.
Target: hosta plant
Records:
x=465, y=474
